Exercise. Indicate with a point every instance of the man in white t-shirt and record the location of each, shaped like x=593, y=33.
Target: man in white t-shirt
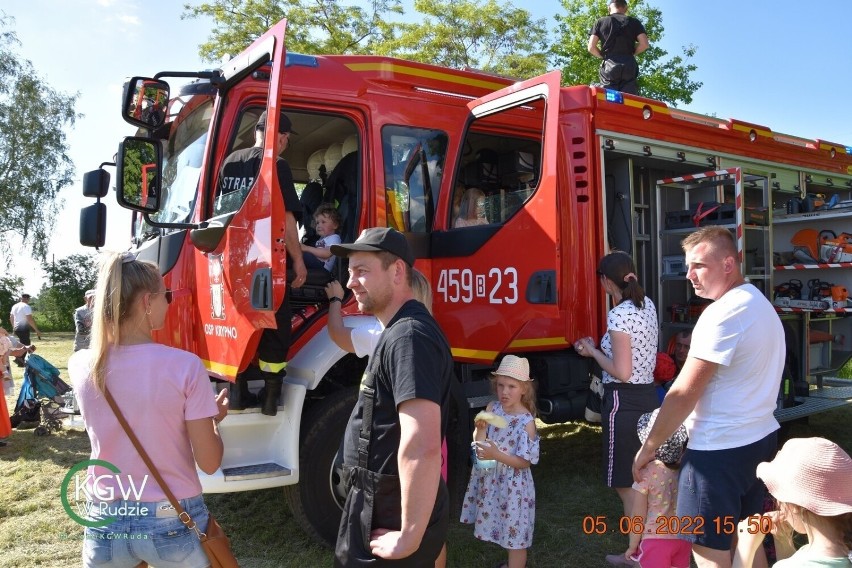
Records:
x=22, y=322
x=725, y=395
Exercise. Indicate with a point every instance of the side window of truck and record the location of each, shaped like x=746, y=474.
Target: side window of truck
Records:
x=414, y=163
x=231, y=199
x=496, y=176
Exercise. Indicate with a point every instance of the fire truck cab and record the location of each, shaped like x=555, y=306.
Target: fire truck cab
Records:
x=508, y=193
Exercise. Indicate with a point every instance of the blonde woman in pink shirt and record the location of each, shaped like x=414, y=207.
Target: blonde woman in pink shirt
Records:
x=165, y=395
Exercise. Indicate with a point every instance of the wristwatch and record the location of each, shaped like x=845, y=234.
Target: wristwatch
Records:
x=335, y=299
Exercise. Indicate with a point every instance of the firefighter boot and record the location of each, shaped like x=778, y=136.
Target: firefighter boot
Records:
x=271, y=394
x=241, y=396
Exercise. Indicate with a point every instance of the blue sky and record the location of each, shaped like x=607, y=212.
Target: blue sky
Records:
x=769, y=63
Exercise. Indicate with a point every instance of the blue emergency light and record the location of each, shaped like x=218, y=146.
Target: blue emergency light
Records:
x=614, y=96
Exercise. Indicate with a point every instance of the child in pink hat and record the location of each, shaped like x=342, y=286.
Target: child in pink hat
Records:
x=811, y=478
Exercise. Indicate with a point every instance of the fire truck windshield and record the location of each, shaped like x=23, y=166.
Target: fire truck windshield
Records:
x=183, y=154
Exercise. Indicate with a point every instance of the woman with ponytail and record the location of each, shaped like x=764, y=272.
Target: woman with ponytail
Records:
x=627, y=356
x=165, y=395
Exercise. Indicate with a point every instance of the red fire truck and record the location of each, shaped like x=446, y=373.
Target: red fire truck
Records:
x=557, y=175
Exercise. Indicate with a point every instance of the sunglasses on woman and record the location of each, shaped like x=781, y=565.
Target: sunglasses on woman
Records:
x=167, y=294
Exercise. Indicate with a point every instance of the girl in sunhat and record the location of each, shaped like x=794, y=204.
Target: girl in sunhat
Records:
x=811, y=478
x=500, y=501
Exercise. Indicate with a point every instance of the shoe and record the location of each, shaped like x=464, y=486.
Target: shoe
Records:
x=240, y=395
x=619, y=560
x=271, y=394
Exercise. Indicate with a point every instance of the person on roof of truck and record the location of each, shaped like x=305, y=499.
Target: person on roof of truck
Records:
x=239, y=171
x=621, y=38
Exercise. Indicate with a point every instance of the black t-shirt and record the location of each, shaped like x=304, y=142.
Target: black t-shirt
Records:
x=412, y=360
x=241, y=167
x=618, y=34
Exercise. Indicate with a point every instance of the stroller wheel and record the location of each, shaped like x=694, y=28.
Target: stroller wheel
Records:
x=41, y=430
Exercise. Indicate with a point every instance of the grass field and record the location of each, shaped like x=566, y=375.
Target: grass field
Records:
x=35, y=531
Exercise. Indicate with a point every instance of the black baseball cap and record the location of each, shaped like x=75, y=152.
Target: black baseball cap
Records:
x=378, y=239
x=284, y=124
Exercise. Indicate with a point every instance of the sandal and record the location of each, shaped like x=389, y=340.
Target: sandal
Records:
x=619, y=560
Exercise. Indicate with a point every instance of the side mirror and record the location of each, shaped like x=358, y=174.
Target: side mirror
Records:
x=138, y=174
x=96, y=183
x=93, y=225
x=145, y=102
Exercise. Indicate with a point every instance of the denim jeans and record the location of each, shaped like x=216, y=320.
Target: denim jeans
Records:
x=147, y=531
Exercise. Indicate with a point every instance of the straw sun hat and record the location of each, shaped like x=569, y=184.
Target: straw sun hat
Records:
x=813, y=473
x=515, y=367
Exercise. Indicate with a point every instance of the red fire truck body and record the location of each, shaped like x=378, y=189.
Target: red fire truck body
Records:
x=563, y=174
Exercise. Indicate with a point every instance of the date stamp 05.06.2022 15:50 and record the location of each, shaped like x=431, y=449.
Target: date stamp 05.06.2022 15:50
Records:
x=674, y=525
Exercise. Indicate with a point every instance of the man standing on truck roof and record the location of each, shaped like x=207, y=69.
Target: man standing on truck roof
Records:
x=725, y=395
x=622, y=38
x=239, y=170
x=393, y=439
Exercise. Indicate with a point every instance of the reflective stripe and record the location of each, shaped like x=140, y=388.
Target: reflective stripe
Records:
x=269, y=367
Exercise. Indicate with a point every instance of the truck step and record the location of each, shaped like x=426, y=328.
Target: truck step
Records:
x=257, y=471
x=810, y=405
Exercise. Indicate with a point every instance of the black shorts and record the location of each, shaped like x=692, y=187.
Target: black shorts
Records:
x=722, y=487
x=623, y=404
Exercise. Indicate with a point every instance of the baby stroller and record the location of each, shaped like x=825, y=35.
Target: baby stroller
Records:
x=40, y=400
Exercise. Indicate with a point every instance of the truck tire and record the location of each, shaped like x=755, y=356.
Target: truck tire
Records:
x=317, y=500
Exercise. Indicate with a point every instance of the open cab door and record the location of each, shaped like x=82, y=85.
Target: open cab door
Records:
x=507, y=251
x=240, y=260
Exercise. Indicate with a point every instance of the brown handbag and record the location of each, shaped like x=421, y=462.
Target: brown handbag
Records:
x=214, y=541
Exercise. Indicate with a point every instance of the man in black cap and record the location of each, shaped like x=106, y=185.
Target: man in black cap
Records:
x=622, y=38
x=394, y=433
x=238, y=174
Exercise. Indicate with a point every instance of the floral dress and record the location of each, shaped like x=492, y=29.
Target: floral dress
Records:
x=500, y=502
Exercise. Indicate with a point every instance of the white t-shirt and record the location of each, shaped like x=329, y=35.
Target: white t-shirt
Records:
x=642, y=327
x=742, y=333
x=365, y=337
x=326, y=242
x=19, y=313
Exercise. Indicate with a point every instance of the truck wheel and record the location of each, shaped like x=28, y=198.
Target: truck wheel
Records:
x=317, y=500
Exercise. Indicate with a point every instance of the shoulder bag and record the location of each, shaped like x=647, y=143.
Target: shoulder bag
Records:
x=214, y=541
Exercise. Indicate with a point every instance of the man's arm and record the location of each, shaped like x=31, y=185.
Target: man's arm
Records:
x=31, y=321
x=593, y=46
x=340, y=334
x=294, y=250
x=641, y=44
x=418, y=460
x=679, y=402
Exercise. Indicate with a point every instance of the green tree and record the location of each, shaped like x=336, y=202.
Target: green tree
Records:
x=34, y=162
x=68, y=278
x=10, y=293
x=313, y=27
x=471, y=33
x=661, y=77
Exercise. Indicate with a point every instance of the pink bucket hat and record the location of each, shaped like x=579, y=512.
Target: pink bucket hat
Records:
x=813, y=473
x=515, y=367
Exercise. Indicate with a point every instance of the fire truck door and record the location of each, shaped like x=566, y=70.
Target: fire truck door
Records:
x=496, y=267
x=245, y=272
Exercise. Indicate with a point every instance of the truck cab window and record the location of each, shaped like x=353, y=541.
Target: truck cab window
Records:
x=414, y=162
x=229, y=198
x=496, y=176
x=183, y=153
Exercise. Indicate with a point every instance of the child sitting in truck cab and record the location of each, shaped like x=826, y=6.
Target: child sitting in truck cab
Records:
x=471, y=209
x=327, y=222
